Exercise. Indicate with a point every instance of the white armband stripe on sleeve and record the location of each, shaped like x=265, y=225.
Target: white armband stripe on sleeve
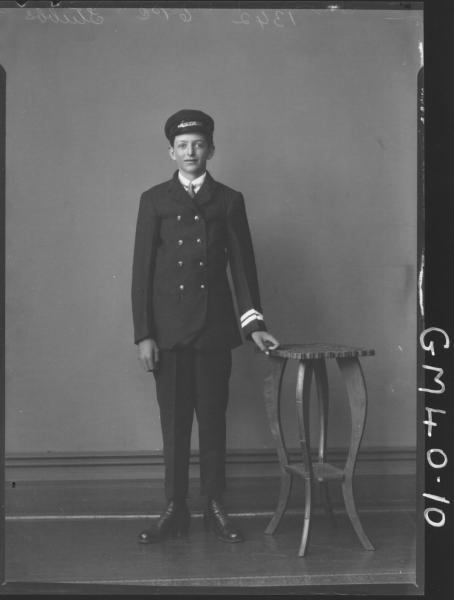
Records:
x=251, y=313
x=252, y=317
x=245, y=315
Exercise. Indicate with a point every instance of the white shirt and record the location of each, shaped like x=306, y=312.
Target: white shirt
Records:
x=197, y=183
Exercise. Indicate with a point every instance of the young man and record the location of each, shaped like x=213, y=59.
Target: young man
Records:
x=188, y=230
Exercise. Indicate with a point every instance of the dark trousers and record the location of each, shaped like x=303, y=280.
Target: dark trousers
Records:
x=189, y=381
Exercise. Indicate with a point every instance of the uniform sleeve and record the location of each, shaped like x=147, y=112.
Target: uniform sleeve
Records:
x=146, y=238
x=243, y=268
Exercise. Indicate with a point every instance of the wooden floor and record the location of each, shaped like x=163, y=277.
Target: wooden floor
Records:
x=102, y=548
x=106, y=551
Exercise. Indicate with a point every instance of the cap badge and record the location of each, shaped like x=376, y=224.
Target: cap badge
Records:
x=189, y=123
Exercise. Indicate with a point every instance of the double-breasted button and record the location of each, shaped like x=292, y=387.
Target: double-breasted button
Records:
x=180, y=242
x=180, y=263
x=181, y=286
x=198, y=240
x=196, y=218
x=178, y=217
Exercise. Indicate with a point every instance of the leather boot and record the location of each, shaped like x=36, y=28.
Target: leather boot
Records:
x=216, y=520
x=172, y=522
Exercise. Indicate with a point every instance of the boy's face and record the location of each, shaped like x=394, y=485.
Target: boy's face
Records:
x=191, y=152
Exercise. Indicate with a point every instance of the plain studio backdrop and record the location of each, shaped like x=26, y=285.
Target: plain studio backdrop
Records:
x=315, y=122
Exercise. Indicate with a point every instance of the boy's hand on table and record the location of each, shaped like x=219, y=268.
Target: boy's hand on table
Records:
x=265, y=341
x=149, y=354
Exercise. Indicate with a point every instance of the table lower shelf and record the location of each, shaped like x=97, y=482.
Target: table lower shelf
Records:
x=320, y=471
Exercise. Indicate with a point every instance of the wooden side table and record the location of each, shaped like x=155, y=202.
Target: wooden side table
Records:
x=312, y=361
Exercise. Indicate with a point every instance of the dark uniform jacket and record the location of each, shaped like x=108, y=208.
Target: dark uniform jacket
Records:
x=180, y=290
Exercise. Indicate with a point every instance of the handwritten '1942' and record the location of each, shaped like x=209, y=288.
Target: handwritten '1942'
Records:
x=278, y=18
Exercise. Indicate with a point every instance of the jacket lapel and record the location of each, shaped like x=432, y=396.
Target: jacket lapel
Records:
x=179, y=194
x=206, y=192
x=203, y=196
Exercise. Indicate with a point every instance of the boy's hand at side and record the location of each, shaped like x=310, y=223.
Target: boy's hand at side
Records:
x=149, y=354
x=265, y=341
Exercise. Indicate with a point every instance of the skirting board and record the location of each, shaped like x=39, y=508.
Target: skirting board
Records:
x=150, y=465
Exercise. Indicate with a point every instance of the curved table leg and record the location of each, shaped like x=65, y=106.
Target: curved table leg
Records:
x=321, y=379
x=284, y=495
x=273, y=385
x=307, y=517
x=303, y=389
x=357, y=396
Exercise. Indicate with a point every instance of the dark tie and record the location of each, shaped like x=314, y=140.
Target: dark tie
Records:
x=191, y=191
